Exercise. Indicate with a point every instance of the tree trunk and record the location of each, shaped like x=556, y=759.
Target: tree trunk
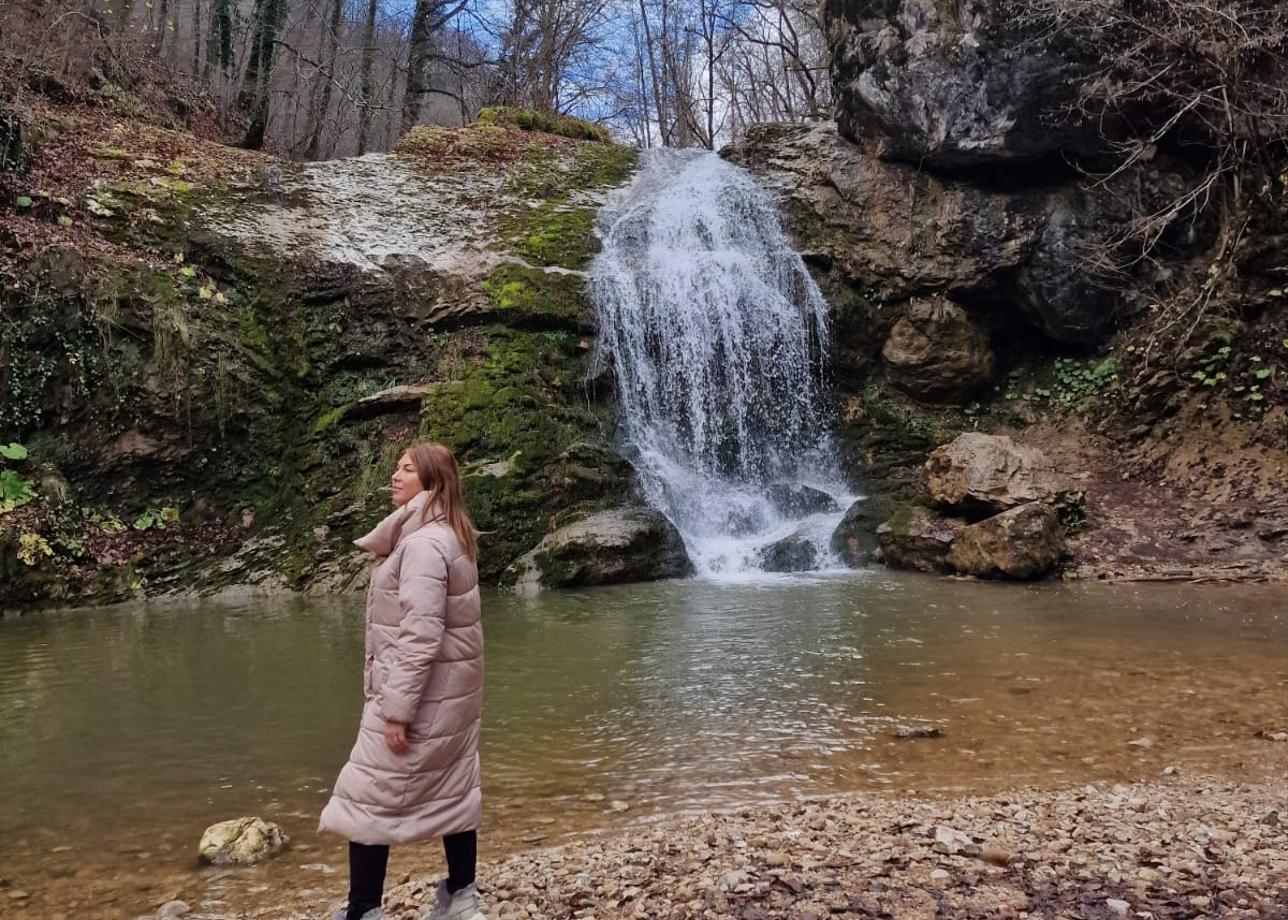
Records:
x=368, y=86
x=259, y=73
x=322, y=98
x=196, y=38
x=417, y=65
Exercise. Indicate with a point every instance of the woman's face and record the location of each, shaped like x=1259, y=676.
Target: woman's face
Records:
x=405, y=481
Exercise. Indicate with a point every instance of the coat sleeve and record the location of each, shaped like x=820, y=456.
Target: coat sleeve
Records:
x=422, y=595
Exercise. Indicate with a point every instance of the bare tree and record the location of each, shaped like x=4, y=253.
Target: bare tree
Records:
x=428, y=20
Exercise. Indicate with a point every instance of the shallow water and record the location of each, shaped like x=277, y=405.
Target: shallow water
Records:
x=124, y=732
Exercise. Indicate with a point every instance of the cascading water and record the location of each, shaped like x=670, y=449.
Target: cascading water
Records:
x=717, y=336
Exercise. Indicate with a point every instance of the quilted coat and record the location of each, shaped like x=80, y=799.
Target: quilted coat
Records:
x=424, y=667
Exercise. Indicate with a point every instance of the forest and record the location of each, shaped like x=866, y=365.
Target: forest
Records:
x=318, y=79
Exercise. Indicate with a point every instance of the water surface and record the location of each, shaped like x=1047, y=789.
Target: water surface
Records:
x=126, y=731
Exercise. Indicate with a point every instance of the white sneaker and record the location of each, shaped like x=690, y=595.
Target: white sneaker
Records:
x=374, y=914
x=464, y=905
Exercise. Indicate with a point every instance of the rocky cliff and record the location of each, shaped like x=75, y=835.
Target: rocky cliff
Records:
x=211, y=358
x=966, y=218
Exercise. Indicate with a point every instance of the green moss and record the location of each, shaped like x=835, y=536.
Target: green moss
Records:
x=531, y=297
x=901, y=520
x=518, y=408
x=431, y=144
x=559, y=235
x=329, y=419
x=549, y=122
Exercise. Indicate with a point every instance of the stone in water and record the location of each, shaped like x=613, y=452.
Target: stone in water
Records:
x=241, y=842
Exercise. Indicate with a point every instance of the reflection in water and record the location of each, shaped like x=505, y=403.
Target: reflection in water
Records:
x=126, y=731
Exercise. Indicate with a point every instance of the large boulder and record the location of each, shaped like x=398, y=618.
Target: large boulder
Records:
x=979, y=475
x=792, y=500
x=608, y=547
x=854, y=541
x=917, y=538
x=793, y=553
x=935, y=353
x=1024, y=542
x=241, y=842
x=951, y=84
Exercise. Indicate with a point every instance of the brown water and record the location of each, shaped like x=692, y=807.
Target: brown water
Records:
x=126, y=731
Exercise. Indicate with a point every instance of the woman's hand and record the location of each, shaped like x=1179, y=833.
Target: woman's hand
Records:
x=396, y=737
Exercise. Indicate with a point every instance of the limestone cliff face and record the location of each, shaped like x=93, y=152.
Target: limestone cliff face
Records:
x=958, y=217
x=953, y=84
x=221, y=378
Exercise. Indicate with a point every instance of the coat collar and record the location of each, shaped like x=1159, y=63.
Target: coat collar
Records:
x=398, y=525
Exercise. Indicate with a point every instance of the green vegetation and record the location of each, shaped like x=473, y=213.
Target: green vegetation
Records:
x=550, y=123
x=1066, y=383
x=15, y=489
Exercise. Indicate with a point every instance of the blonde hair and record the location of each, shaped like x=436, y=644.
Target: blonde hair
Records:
x=441, y=478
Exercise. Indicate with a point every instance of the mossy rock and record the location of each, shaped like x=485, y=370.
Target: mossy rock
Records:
x=548, y=122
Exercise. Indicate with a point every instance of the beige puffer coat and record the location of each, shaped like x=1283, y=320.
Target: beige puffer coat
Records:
x=424, y=667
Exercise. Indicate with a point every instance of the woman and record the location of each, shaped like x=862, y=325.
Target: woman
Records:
x=414, y=770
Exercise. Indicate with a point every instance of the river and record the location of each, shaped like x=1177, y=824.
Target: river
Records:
x=126, y=731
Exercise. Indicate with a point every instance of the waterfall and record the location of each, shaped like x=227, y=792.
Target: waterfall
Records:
x=718, y=338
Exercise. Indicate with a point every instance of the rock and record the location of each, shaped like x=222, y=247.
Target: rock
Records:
x=951, y=841
x=1141, y=743
x=855, y=539
x=608, y=547
x=918, y=538
x=400, y=399
x=890, y=229
x=939, y=876
x=1021, y=543
x=174, y=908
x=895, y=231
x=793, y=553
x=1117, y=907
x=1056, y=291
x=981, y=474
x=936, y=354
x=1269, y=734
x=793, y=501
x=241, y=842
x=911, y=732
x=954, y=85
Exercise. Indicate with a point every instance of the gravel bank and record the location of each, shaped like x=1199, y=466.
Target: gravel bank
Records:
x=1171, y=848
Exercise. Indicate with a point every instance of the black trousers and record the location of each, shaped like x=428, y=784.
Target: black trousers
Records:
x=368, y=862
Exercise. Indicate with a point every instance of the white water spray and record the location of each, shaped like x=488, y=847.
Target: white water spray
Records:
x=718, y=335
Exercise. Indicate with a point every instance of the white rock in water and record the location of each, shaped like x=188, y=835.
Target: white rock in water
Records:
x=241, y=842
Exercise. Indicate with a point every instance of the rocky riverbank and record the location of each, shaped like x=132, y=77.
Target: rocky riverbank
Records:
x=1175, y=847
